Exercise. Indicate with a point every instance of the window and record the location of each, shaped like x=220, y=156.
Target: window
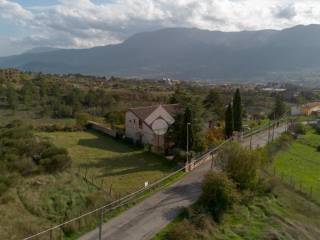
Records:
x=140, y=123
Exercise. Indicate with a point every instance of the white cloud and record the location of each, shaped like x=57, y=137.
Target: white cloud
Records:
x=83, y=23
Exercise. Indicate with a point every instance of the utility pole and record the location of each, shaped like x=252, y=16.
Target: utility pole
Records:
x=100, y=225
x=211, y=160
x=269, y=132
x=188, y=124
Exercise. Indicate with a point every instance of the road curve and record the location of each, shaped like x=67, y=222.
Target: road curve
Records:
x=147, y=218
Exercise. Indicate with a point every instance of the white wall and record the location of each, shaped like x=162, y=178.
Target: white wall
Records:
x=134, y=132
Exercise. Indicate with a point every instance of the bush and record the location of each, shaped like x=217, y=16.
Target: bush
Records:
x=240, y=164
x=82, y=119
x=267, y=185
x=56, y=162
x=218, y=194
x=5, y=183
x=183, y=231
x=299, y=128
x=318, y=148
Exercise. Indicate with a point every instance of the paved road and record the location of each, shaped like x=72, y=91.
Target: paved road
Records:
x=147, y=218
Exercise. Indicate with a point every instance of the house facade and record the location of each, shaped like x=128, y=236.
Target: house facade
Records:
x=311, y=108
x=147, y=124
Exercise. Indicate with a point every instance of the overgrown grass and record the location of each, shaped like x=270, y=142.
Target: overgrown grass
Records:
x=45, y=200
x=283, y=215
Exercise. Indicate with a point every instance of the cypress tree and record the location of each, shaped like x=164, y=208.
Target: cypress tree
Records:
x=229, y=122
x=237, y=111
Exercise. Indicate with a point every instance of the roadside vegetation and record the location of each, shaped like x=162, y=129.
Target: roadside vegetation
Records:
x=246, y=202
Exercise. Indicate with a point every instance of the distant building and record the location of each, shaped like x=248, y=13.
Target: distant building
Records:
x=274, y=89
x=146, y=124
x=9, y=74
x=310, y=108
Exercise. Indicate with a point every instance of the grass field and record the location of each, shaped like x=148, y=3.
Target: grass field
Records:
x=44, y=200
x=110, y=162
x=301, y=161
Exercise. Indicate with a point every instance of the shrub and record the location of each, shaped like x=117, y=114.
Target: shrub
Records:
x=318, y=148
x=268, y=185
x=82, y=119
x=183, y=231
x=56, y=163
x=5, y=183
x=179, y=154
x=299, y=128
x=218, y=194
x=240, y=164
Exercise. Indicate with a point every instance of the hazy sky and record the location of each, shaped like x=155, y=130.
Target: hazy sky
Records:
x=25, y=24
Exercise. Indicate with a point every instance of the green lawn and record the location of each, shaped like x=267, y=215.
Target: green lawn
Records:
x=301, y=161
x=110, y=162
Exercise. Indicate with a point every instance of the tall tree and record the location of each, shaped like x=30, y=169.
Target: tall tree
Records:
x=213, y=104
x=279, y=108
x=237, y=111
x=12, y=97
x=229, y=121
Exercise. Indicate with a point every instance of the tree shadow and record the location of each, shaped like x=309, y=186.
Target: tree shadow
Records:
x=107, y=143
x=130, y=164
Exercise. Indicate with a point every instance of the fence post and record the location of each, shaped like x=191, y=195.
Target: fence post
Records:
x=100, y=224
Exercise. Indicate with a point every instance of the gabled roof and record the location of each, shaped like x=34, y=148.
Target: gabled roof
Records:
x=144, y=112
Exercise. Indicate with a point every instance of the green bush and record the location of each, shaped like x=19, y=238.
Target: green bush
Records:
x=5, y=183
x=318, y=148
x=240, y=164
x=218, y=194
x=299, y=128
x=82, y=119
x=58, y=162
x=183, y=231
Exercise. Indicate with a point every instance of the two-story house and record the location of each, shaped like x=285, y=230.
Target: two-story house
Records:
x=149, y=124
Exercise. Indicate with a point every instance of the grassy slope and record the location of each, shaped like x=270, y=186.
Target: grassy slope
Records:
x=285, y=215
x=45, y=200
x=301, y=161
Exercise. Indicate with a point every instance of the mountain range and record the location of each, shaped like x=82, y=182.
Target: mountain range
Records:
x=185, y=53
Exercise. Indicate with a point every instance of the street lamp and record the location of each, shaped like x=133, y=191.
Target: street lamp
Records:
x=188, y=124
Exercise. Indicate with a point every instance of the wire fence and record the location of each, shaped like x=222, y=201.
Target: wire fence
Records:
x=306, y=189
x=89, y=220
